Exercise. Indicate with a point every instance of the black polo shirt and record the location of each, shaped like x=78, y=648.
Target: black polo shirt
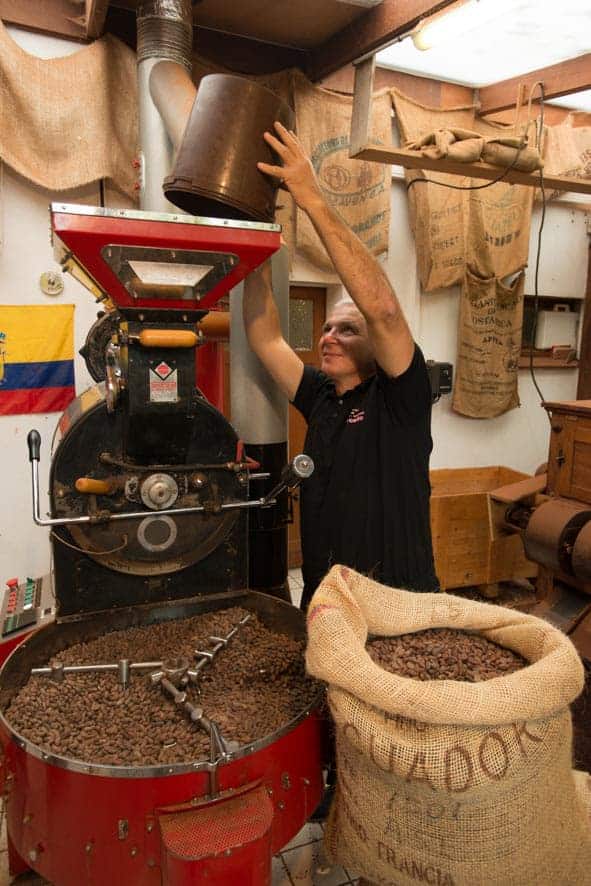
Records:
x=367, y=503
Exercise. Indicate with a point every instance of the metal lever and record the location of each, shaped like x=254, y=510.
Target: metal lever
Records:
x=34, y=444
x=300, y=468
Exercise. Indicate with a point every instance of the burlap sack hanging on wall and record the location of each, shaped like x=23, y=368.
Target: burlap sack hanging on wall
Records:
x=446, y=782
x=357, y=189
x=65, y=122
x=489, y=345
x=437, y=214
x=498, y=228
x=567, y=152
x=499, y=216
x=485, y=228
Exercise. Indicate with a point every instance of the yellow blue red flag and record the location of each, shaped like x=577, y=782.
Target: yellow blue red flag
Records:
x=36, y=358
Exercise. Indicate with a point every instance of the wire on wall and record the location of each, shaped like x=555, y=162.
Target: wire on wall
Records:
x=539, y=133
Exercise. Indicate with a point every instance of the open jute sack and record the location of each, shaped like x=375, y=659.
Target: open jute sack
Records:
x=444, y=782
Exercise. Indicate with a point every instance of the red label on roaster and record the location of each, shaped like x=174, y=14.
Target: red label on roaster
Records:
x=164, y=387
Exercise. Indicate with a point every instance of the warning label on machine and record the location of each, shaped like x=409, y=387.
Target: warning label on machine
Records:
x=164, y=384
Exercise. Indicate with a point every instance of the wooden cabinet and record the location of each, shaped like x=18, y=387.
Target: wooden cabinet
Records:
x=465, y=551
x=569, y=458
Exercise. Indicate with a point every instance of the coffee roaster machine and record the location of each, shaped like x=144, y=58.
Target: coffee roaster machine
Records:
x=151, y=490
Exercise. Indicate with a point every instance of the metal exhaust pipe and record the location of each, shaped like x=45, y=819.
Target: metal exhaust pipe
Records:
x=164, y=31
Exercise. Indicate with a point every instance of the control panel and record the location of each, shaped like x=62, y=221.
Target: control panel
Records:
x=26, y=605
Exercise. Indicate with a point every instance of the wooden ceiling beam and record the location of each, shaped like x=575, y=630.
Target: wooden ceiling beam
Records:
x=96, y=12
x=245, y=55
x=370, y=32
x=563, y=78
x=241, y=55
x=63, y=18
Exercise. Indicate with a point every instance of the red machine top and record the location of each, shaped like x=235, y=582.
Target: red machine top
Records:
x=145, y=260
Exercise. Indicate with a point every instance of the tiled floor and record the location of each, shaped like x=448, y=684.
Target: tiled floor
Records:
x=296, y=585
x=301, y=863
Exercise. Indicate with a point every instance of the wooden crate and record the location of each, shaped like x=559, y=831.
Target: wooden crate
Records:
x=466, y=553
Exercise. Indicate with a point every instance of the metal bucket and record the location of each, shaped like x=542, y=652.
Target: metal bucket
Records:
x=215, y=172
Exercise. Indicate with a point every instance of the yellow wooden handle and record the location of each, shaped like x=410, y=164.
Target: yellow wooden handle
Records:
x=93, y=487
x=167, y=338
x=216, y=326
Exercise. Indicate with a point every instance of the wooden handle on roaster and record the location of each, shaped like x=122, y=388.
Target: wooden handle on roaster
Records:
x=167, y=338
x=93, y=487
x=216, y=326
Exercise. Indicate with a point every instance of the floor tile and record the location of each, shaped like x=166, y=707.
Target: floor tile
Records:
x=279, y=874
x=308, y=866
x=309, y=833
x=296, y=593
x=295, y=576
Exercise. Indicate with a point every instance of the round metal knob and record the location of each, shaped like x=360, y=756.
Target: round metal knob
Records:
x=302, y=466
x=159, y=491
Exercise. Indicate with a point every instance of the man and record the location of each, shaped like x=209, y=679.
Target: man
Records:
x=368, y=408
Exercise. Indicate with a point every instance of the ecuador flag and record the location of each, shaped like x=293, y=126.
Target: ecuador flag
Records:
x=36, y=358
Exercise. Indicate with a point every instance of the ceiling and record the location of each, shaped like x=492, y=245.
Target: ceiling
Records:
x=323, y=37
x=493, y=40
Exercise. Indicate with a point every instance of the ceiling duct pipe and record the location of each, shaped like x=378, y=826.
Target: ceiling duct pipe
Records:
x=164, y=32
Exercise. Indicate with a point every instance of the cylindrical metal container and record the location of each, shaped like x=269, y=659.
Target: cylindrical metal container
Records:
x=77, y=822
x=215, y=173
x=551, y=533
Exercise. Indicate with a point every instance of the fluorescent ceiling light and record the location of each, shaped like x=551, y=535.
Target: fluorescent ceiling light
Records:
x=453, y=23
x=508, y=38
x=579, y=101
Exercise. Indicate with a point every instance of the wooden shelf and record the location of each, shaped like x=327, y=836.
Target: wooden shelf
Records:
x=416, y=160
x=546, y=361
x=361, y=149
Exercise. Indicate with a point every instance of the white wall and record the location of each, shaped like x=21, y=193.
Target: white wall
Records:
x=25, y=253
x=518, y=439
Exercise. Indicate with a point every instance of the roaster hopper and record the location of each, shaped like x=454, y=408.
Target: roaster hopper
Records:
x=150, y=491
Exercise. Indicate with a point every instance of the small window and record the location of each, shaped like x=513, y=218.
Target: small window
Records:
x=301, y=324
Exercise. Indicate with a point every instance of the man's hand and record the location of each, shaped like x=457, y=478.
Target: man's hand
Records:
x=297, y=172
x=361, y=274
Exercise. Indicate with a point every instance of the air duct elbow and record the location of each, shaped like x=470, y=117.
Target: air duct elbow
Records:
x=173, y=92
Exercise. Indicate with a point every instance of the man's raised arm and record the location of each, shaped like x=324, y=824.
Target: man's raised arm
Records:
x=263, y=330
x=360, y=272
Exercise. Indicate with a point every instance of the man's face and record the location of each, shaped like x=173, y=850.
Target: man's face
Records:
x=344, y=347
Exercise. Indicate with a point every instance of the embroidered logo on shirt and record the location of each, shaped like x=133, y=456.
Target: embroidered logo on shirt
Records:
x=355, y=416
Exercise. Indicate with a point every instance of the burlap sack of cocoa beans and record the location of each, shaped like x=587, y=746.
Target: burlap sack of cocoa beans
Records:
x=445, y=782
x=489, y=345
x=357, y=189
